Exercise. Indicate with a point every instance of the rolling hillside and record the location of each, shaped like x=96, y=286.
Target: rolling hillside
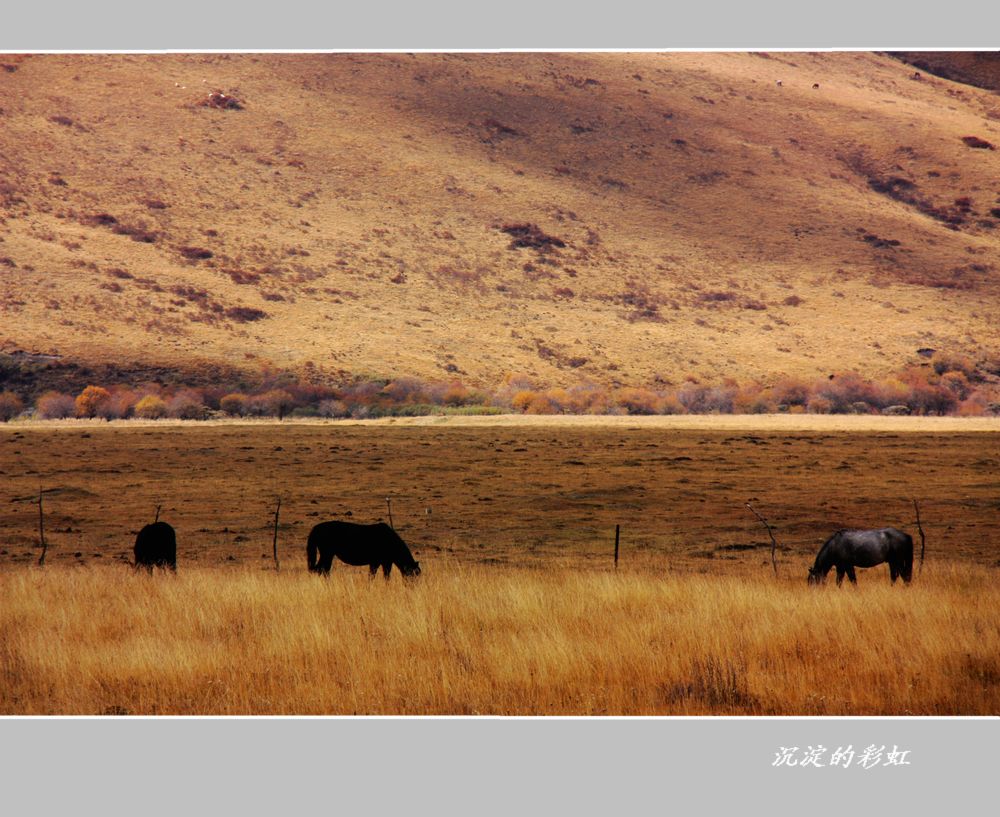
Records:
x=619, y=218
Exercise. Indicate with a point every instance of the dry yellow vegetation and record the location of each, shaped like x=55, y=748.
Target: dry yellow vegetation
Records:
x=518, y=610
x=467, y=640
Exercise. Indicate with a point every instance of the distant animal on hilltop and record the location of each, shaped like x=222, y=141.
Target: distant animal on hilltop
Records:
x=848, y=549
x=156, y=546
x=375, y=545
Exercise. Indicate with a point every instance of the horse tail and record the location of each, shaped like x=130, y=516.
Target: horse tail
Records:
x=311, y=552
x=906, y=570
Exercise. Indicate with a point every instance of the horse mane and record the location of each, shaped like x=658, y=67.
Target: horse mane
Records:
x=399, y=546
x=826, y=545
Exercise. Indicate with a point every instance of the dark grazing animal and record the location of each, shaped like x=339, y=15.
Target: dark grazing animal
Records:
x=156, y=546
x=375, y=545
x=848, y=549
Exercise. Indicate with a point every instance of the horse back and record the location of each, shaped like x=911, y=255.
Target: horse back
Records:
x=867, y=548
x=353, y=543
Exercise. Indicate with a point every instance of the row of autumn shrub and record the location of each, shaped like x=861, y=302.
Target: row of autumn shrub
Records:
x=404, y=396
x=946, y=387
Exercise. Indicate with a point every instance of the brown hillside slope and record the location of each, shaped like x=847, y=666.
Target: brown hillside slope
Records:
x=690, y=215
x=979, y=68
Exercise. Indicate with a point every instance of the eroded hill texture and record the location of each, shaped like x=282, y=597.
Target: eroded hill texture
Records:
x=618, y=218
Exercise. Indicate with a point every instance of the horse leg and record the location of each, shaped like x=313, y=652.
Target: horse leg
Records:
x=840, y=575
x=850, y=574
x=386, y=570
x=373, y=569
x=893, y=572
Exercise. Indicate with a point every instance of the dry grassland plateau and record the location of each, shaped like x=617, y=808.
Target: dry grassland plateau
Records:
x=519, y=609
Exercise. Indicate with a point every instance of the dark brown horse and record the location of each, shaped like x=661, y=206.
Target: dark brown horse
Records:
x=375, y=545
x=848, y=549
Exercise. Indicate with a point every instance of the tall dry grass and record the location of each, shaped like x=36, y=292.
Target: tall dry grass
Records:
x=474, y=640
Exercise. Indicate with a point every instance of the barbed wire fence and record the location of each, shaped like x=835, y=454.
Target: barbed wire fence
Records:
x=408, y=510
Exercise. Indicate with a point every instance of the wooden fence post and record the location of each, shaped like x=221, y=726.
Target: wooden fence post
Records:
x=923, y=540
x=277, y=511
x=41, y=530
x=774, y=542
x=617, y=532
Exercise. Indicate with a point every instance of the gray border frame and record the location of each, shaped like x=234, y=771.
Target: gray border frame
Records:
x=492, y=766
x=462, y=766
x=476, y=25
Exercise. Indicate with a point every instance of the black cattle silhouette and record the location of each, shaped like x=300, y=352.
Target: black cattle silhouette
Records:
x=156, y=546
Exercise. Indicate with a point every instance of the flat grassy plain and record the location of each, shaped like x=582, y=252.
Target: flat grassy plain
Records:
x=519, y=609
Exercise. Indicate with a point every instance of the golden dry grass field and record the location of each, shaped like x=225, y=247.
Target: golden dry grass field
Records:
x=518, y=610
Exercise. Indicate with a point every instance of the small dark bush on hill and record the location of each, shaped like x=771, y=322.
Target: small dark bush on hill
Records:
x=496, y=127
x=242, y=277
x=222, y=101
x=716, y=296
x=976, y=142
x=244, y=314
x=140, y=234
x=195, y=253
x=880, y=243
x=531, y=237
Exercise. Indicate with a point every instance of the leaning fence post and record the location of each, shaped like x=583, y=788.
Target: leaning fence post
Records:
x=41, y=529
x=923, y=540
x=617, y=532
x=277, y=510
x=774, y=542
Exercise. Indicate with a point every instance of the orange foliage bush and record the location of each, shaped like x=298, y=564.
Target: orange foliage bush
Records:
x=752, y=399
x=791, y=391
x=89, y=399
x=637, y=401
x=532, y=402
x=234, y=404
x=10, y=406
x=455, y=394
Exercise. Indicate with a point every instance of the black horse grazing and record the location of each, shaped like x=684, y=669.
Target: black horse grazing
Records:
x=848, y=549
x=156, y=546
x=373, y=545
